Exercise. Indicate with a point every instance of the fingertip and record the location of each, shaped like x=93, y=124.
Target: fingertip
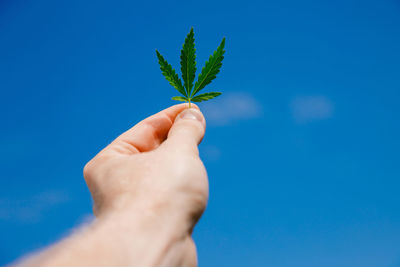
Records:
x=187, y=131
x=191, y=114
x=194, y=106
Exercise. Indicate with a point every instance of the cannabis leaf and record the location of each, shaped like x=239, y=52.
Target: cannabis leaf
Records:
x=188, y=61
x=170, y=74
x=205, y=96
x=188, y=68
x=211, y=69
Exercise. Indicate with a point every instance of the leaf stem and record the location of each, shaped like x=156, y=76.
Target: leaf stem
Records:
x=189, y=102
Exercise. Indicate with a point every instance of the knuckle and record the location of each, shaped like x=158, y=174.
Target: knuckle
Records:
x=87, y=170
x=94, y=166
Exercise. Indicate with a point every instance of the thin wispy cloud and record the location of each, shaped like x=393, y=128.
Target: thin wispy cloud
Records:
x=210, y=153
x=307, y=109
x=231, y=107
x=31, y=209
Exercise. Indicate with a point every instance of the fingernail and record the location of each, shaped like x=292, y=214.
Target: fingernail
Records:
x=191, y=114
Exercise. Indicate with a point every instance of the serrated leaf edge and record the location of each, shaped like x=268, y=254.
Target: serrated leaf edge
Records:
x=205, y=96
x=170, y=74
x=188, y=62
x=198, y=84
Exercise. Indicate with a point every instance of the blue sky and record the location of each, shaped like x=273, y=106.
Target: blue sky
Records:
x=302, y=149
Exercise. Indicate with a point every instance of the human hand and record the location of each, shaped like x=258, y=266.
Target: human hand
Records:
x=153, y=167
x=149, y=188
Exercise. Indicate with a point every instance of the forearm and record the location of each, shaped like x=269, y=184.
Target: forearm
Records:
x=127, y=238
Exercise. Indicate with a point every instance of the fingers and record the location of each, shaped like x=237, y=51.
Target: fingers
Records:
x=187, y=131
x=149, y=133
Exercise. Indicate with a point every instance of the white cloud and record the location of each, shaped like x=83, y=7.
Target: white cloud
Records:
x=231, y=107
x=31, y=209
x=311, y=108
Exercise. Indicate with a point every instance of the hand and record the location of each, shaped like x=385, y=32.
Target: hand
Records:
x=149, y=188
x=153, y=167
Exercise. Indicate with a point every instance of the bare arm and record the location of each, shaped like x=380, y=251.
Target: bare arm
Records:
x=149, y=187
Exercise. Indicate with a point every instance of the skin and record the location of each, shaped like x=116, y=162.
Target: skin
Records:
x=149, y=188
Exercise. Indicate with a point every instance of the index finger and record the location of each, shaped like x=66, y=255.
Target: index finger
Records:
x=150, y=132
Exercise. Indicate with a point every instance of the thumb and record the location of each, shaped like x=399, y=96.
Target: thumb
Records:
x=187, y=131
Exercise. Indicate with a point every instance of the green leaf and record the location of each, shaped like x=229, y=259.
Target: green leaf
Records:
x=170, y=74
x=188, y=62
x=188, y=67
x=180, y=98
x=210, y=69
x=205, y=96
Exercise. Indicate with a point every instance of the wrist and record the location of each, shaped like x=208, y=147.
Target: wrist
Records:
x=151, y=210
x=146, y=236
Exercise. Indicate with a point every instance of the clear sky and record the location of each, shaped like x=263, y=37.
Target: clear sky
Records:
x=302, y=148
